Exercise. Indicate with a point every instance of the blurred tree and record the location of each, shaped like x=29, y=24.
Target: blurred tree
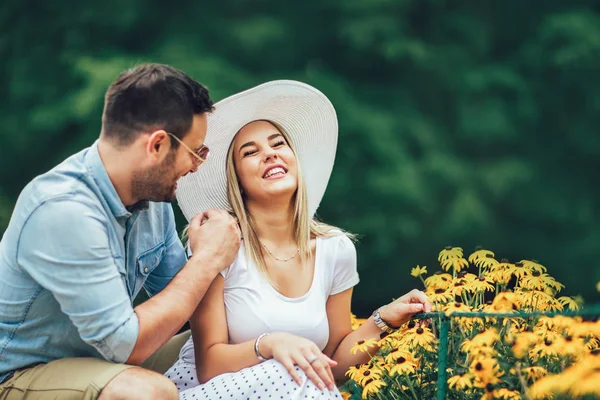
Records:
x=461, y=122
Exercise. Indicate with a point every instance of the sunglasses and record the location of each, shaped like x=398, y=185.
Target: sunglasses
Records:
x=201, y=154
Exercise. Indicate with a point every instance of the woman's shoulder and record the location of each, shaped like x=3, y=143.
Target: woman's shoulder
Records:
x=337, y=239
x=238, y=266
x=337, y=250
x=338, y=258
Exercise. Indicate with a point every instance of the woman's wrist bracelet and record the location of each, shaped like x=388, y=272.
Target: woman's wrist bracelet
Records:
x=260, y=357
x=381, y=324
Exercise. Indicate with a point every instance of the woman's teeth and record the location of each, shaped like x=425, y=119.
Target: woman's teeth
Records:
x=274, y=171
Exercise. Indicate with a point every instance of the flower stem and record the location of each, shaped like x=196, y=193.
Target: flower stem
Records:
x=410, y=386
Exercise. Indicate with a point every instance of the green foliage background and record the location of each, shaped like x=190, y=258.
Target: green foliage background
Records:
x=461, y=122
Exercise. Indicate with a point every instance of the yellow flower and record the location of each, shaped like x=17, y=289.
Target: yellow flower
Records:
x=457, y=306
x=573, y=347
x=487, y=262
x=518, y=269
x=481, y=352
x=439, y=295
x=420, y=336
x=555, y=325
x=438, y=280
x=356, y=323
x=569, y=302
x=534, y=373
x=368, y=373
x=598, y=286
x=506, y=394
x=467, y=276
x=482, y=345
x=391, y=340
x=501, y=273
x=456, y=263
x=558, y=323
x=540, y=281
x=345, y=395
x=586, y=329
x=450, y=252
x=461, y=381
x=465, y=323
x=417, y=271
x=516, y=327
x=593, y=345
x=482, y=284
x=557, y=286
x=539, y=300
x=522, y=343
x=545, y=388
x=402, y=366
x=459, y=286
x=397, y=353
x=577, y=380
x=533, y=265
x=372, y=386
x=486, y=370
x=505, y=301
x=363, y=346
x=550, y=347
x=486, y=338
x=355, y=371
x=478, y=255
x=589, y=386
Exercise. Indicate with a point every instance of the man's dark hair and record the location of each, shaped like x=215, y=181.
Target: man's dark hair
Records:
x=151, y=97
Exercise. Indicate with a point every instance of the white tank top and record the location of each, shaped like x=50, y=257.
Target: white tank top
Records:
x=254, y=307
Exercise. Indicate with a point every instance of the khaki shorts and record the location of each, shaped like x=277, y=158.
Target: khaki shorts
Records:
x=80, y=378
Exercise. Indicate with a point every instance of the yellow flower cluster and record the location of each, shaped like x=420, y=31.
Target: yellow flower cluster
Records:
x=579, y=380
x=489, y=357
x=395, y=363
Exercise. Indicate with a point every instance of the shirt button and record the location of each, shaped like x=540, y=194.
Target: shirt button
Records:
x=146, y=270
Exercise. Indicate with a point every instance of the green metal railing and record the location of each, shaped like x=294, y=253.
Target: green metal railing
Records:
x=444, y=328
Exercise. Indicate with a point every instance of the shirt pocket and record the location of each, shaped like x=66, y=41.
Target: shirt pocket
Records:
x=150, y=259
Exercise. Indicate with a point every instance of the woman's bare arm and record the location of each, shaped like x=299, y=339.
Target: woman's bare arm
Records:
x=214, y=354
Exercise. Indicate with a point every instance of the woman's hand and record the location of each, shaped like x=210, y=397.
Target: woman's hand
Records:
x=402, y=309
x=291, y=350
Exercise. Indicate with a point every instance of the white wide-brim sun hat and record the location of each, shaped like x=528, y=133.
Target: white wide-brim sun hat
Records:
x=304, y=113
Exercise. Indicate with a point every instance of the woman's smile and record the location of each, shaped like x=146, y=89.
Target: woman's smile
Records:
x=276, y=171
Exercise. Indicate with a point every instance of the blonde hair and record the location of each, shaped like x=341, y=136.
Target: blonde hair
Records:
x=304, y=227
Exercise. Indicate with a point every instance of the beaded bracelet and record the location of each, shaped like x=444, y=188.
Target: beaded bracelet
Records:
x=261, y=358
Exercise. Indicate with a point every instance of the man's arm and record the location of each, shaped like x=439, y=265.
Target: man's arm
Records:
x=214, y=243
x=64, y=247
x=161, y=316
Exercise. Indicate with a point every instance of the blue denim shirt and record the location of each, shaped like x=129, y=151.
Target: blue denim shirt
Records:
x=72, y=260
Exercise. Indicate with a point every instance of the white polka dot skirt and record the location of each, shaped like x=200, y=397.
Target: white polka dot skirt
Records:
x=265, y=381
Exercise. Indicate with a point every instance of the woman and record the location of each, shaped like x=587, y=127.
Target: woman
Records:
x=287, y=296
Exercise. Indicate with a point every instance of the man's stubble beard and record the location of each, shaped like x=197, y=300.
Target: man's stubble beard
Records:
x=156, y=184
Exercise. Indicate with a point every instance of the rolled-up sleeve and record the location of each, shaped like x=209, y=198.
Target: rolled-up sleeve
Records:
x=64, y=246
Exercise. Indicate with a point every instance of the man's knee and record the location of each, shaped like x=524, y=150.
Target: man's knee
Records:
x=139, y=383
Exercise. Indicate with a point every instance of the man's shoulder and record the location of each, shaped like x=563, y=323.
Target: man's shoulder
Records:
x=68, y=183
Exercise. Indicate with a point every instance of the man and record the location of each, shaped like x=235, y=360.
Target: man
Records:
x=85, y=237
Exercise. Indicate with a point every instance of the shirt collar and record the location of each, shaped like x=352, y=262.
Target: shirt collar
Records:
x=98, y=171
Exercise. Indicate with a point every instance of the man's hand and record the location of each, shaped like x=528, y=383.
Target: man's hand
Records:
x=214, y=239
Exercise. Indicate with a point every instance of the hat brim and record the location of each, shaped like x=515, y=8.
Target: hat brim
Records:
x=305, y=114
